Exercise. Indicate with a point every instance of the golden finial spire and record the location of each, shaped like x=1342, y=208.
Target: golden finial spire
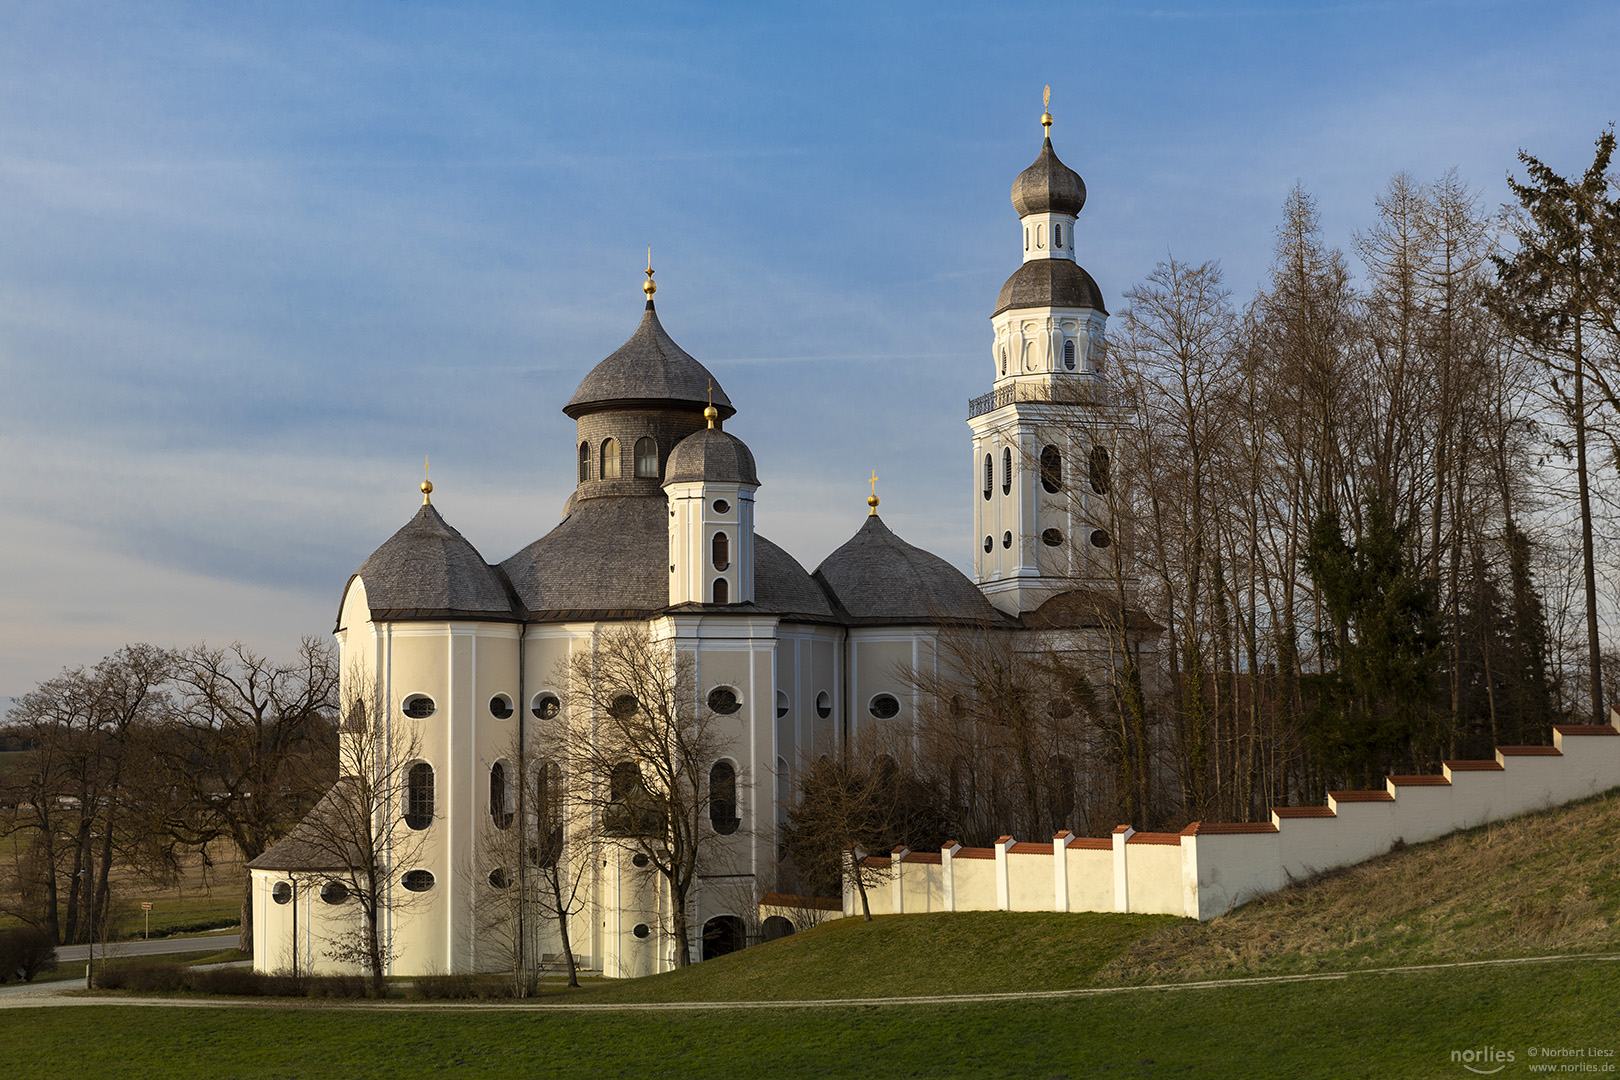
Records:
x=872, y=499
x=427, y=485
x=711, y=414
x=649, y=286
x=1046, y=112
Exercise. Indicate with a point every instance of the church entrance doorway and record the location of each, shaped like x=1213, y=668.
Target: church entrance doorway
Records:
x=721, y=935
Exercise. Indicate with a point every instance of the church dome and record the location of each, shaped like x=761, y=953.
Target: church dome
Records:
x=1043, y=283
x=711, y=454
x=1048, y=187
x=878, y=577
x=428, y=570
x=649, y=370
x=609, y=559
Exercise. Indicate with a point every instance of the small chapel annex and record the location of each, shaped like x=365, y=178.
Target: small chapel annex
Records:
x=660, y=532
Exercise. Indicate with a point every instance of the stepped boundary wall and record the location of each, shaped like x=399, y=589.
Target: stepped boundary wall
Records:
x=1207, y=869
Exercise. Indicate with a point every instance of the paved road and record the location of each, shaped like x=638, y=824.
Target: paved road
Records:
x=156, y=947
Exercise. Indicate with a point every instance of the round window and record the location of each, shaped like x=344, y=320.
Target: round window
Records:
x=419, y=707
x=500, y=707
x=1006, y=539
x=499, y=878
x=885, y=706
x=721, y=506
x=823, y=705
x=723, y=700
x=281, y=892
x=641, y=931
x=545, y=706
x=639, y=861
x=417, y=880
x=1100, y=538
x=1051, y=538
x=623, y=707
x=782, y=704
x=334, y=892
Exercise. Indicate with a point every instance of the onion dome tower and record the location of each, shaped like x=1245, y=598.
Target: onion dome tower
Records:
x=711, y=483
x=1034, y=434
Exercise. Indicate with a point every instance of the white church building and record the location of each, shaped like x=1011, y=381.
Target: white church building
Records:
x=660, y=533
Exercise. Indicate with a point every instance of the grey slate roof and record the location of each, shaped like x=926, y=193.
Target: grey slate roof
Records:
x=1041, y=283
x=610, y=559
x=879, y=578
x=1048, y=186
x=1084, y=609
x=310, y=846
x=649, y=369
x=711, y=454
x=429, y=570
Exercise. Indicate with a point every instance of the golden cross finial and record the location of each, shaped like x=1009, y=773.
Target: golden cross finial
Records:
x=872, y=500
x=711, y=414
x=1046, y=110
x=649, y=286
x=427, y=485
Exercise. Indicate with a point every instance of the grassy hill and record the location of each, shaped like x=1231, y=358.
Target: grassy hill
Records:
x=1538, y=884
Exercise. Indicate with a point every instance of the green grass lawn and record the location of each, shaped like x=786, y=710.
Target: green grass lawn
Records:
x=1363, y=1026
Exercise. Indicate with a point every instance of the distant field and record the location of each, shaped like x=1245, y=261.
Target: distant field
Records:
x=200, y=898
x=8, y=758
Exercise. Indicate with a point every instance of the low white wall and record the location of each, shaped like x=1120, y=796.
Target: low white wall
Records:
x=1209, y=868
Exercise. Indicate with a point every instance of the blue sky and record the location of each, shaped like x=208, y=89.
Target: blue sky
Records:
x=257, y=260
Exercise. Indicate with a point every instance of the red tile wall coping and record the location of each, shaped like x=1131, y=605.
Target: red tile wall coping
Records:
x=976, y=853
x=1473, y=766
x=924, y=857
x=1585, y=729
x=1228, y=828
x=1092, y=843
x=1418, y=781
x=1303, y=811
x=1022, y=848
x=1529, y=751
x=876, y=860
x=1155, y=838
x=817, y=903
x=1361, y=796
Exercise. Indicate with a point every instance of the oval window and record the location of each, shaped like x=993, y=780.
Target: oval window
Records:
x=823, y=705
x=1052, y=538
x=500, y=707
x=723, y=700
x=281, y=892
x=1100, y=538
x=499, y=878
x=885, y=706
x=721, y=506
x=1006, y=539
x=1051, y=469
x=545, y=706
x=417, y=880
x=419, y=707
x=641, y=931
x=639, y=861
x=334, y=892
x=624, y=707
x=989, y=544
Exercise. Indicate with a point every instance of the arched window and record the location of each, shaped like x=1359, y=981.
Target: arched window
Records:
x=1099, y=469
x=1057, y=236
x=610, y=459
x=1006, y=470
x=989, y=475
x=720, y=551
x=628, y=812
x=1068, y=353
x=548, y=841
x=775, y=927
x=723, y=798
x=1026, y=237
x=1040, y=237
x=584, y=462
x=646, y=459
x=1004, y=359
x=722, y=591
x=500, y=797
x=1051, y=469
x=419, y=795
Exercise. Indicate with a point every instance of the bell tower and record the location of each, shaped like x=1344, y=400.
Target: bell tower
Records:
x=1041, y=437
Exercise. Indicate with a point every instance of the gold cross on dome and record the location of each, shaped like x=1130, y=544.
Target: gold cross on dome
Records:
x=427, y=485
x=872, y=500
x=874, y=481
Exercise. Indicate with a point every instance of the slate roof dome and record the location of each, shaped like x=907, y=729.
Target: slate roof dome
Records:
x=609, y=558
x=879, y=578
x=1041, y=283
x=428, y=570
x=1048, y=186
x=649, y=370
x=711, y=454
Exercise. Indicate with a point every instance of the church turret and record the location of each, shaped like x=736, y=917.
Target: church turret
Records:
x=1042, y=430
x=710, y=484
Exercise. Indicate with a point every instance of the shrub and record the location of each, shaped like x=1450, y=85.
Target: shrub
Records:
x=237, y=981
x=146, y=977
x=337, y=986
x=25, y=952
x=482, y=987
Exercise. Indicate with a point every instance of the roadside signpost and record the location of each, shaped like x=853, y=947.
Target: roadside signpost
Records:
x=146, y=907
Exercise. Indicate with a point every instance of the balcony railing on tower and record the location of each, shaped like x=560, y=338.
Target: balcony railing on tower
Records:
x=1070, y=391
